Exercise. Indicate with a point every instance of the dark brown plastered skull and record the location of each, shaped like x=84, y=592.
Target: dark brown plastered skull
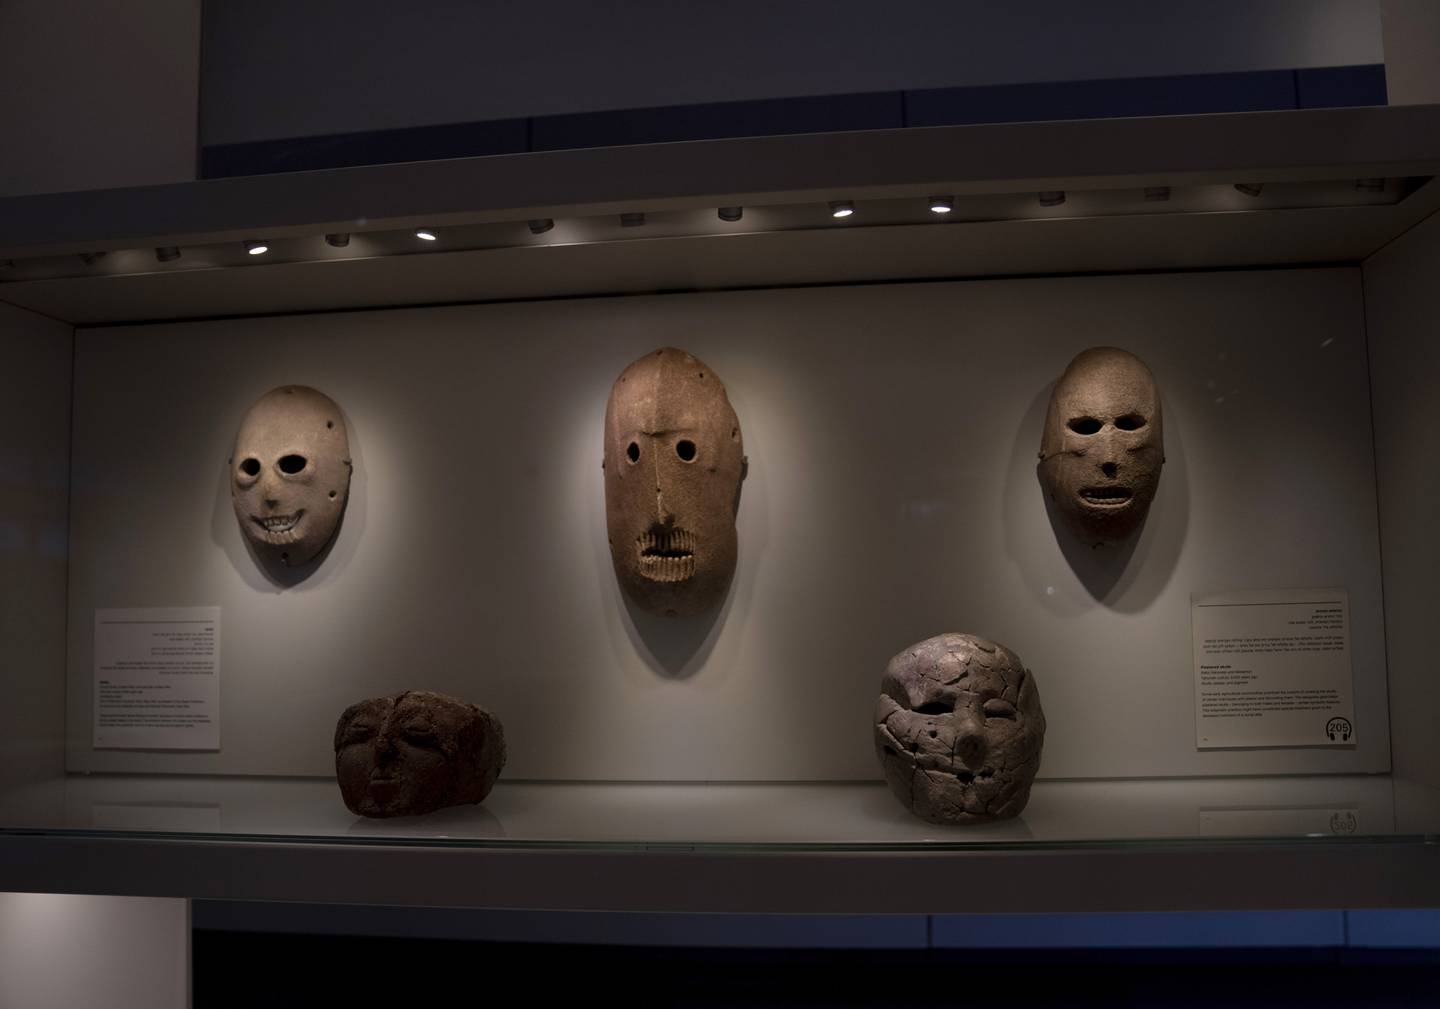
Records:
x=290, y=473
x=673, y=463
x=1103, y=446
x=959, y=730
x=416, y=752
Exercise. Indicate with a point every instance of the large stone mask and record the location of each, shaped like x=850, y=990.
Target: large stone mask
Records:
x=415, y=753
x=958, y=730
x=673, y=465
x=1102, y=450
x=290, y=474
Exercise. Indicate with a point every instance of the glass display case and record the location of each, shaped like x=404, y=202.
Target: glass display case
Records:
x=892, y=370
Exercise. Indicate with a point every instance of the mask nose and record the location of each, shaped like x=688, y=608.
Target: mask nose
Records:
x=270, y=489
x=1110, y=469
x=970, y=744
x=384, y=748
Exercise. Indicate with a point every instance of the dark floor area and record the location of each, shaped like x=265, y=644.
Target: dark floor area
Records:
x=252, y=969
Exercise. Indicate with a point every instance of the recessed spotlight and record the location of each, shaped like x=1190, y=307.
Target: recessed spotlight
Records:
x=1157, y=193
x=1250, y=188
x=167, y=253
x=942, y=204
x=425, y=235
x=91, y=258
x=632, y=220
x=1370, y=185
x=540, y=225
x=731, y=214
x=339, y=239
x=256, y=248
x=841, y=208
x=1051, y=197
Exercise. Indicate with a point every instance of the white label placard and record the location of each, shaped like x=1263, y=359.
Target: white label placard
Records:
x=1272, y=668
x=157, y=678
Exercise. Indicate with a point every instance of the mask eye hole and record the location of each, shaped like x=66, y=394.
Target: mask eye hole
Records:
x=936, y=707
x=1084, y=425
x=998, y=708
x=1130, y=422
x=250, y=467
x=291, y=464
x=633, y=452
x=685, y=450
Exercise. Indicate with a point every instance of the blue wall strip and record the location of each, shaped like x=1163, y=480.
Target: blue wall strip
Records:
x=1268, y=90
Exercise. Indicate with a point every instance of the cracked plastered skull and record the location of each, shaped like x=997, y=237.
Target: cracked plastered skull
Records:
x=1102, y=449
x=290, y=473
x=673, y=464
x=958, y=730
x=416, y=752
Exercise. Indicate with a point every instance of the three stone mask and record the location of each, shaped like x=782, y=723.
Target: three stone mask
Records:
x=673, y=464
x=959, y=730
x=1102, y=449
x=290, y=474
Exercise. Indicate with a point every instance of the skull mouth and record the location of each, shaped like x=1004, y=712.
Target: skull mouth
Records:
x=666, y=554
x=1105, y=497
x=279, y=528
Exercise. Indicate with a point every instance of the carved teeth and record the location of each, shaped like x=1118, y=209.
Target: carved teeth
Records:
x=280, y=523
x=666, y=555
x=1106, y=497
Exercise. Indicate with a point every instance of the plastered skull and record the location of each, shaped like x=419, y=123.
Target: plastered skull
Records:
x=673, y=464
x=290, y=473
x=1102, y=449
x=959, y=729
x=416, y=752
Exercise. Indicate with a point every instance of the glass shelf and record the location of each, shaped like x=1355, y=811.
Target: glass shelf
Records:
x=797, y=817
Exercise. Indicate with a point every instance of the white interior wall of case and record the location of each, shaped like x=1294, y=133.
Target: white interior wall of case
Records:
x=34, y=499
x=892, y=433
x=1401, y=306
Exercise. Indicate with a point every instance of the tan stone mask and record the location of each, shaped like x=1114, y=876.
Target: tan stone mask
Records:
x=290, y=474
x=1102, y=450
x=415, y=753
x=959, y=729
x=673, y=465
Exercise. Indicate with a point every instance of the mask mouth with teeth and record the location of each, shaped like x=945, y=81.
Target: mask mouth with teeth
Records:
x=290, y=474
x=674, y=460
x=959, y=729
x=1103, y=446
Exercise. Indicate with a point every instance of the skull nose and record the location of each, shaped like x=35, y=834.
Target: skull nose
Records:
x=970, y=744
x=1110, y=469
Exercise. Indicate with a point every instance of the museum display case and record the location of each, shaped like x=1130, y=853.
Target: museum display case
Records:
x=1239, y=703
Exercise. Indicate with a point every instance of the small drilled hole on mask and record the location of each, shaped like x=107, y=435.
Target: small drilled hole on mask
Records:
x=1085, y=425
x=1130, y=422
x=292, y=464
x=250, y=467
x=685, y=450
x=936, y=707
x=329, y=423
x=332, y=495
x=633, y=452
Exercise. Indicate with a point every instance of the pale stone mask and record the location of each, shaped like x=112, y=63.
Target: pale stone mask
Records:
x=958, y=730
x=415, y=753
x=1102, y=450
x=290, y=473
x=673, y=465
